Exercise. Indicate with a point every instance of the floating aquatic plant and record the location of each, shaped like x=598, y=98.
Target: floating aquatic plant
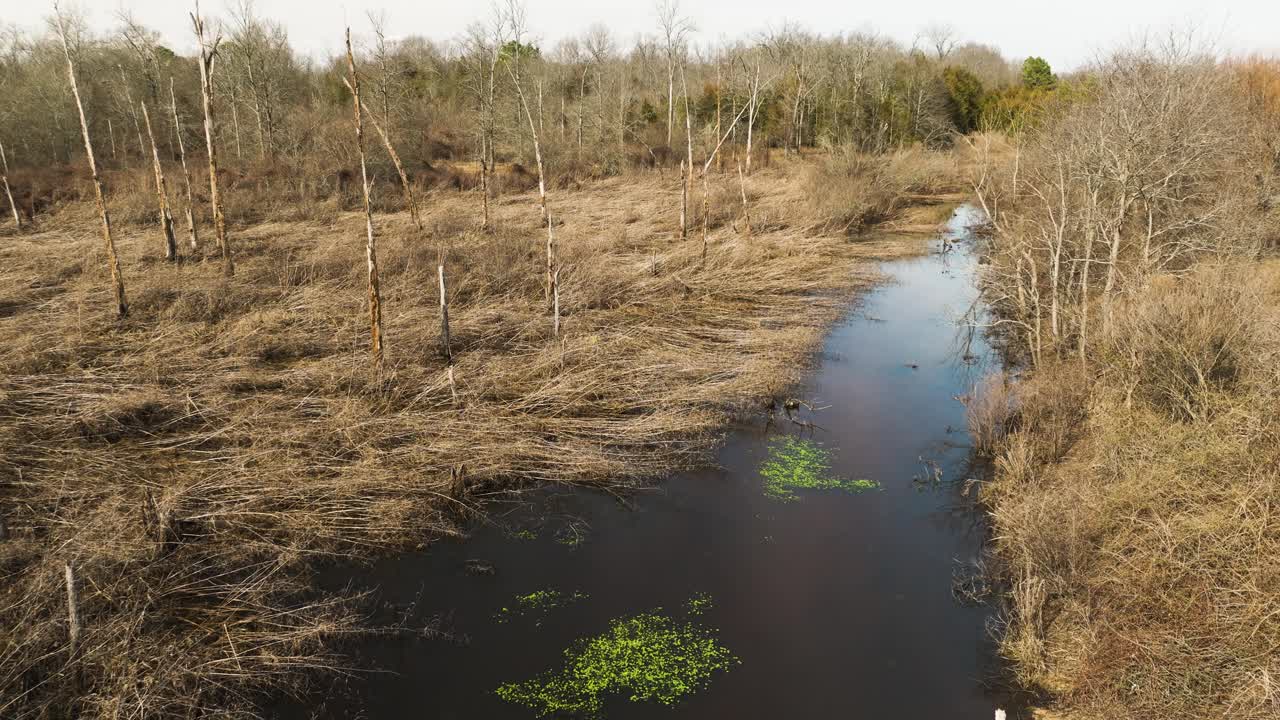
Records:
x=647, y=657
x=798, y=464
x=538, y=602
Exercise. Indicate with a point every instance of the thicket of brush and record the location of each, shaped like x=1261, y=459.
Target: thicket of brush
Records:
x=1138, y=463
x=195, y=461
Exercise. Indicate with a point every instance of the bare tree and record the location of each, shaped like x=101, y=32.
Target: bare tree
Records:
x=162, y=193
x=515, y=20
x=405, y=185
x=675, y=30
x=208, y=53
x=940, y=38
x=186, y=174
x=113, y=262
x=371, y=254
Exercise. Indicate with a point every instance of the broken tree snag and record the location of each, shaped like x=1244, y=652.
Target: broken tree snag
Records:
x=542, y=184
x=371, y=253
x=4, y=178
x=688, y=135
x=162, y=193
x=186, y=174
x=73, y=609
x=113, y=261
x=445, y=348
x=684, y=201
x=555, y=303
x=208, y=53
x=395, y=160
x=742, y=185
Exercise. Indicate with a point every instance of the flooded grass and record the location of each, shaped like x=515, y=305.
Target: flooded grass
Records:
x=649, y=657
x=799, y=464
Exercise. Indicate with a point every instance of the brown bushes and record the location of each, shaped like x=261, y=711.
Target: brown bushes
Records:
x=1134, y=511
x=849, y=191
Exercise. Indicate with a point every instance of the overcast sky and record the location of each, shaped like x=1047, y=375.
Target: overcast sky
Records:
x=1066, y=34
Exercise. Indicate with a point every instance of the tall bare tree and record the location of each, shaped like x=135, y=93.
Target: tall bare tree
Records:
x=113, y=261
x=186, y=174
x=371, y=250
x=208, y=53
x=162, y=192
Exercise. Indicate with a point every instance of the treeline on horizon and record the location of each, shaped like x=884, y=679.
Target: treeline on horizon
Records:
x=601, y=105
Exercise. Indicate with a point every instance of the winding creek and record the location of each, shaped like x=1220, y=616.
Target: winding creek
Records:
x=811, y=573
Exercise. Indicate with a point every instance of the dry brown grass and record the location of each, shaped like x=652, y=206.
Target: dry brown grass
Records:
x=849, y=191
x=1135, y=510
x=195, y=460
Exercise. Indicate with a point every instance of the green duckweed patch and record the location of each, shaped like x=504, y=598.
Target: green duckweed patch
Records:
x=650, y=657
x=536, y=604
x=799, y=464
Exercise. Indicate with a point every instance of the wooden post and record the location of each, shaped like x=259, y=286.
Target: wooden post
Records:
x=186, y=174
x=395, y=160
x=445, y=348
x=208, y=52
x=162, y=193
x=371, y=252
x=113, y=261
x=73, y=608
x=4, y=178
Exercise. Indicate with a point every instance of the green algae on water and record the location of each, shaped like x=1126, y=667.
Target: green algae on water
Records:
x=798, y=464
x=537, y=604
x=646, y=657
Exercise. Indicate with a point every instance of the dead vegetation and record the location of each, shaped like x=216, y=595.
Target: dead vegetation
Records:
x=195, y=460
x=1138, y=473
x=1136, y=516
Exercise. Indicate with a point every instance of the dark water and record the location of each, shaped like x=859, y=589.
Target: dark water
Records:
x=839, y=605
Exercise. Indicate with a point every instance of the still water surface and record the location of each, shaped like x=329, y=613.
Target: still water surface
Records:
x=838, y=604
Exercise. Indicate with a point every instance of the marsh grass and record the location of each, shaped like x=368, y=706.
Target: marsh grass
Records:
x=198, y=460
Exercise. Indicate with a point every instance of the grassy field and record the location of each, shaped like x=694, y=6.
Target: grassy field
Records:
x=195, y=461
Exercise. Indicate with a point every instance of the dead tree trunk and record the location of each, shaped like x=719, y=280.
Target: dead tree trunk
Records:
x=4, y=178
x=688, y=136
x=113, y=261
x=395, y=160
x=133, y=113
x=186, y=174
x=542, y=188
x=445, y=349
x=751, y=114
x=208, y=52
x=371, y=252
x=742, y=185
x=73, y=608
x=162, y=193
